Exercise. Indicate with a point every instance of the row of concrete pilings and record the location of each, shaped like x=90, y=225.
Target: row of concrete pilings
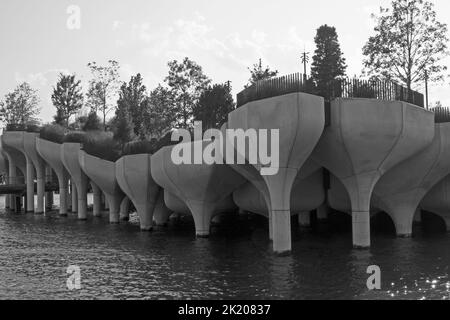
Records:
x=380, y=155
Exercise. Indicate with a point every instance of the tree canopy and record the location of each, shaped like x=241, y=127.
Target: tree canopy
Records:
x=408, y=41
x=259, y=73
x=186, y=82
x=67, y=98
x=21, y=106
x=328, y=62
x=103, y=87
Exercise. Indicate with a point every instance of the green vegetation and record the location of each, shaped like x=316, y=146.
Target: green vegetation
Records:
x=102, y=145
x=53, y=133
x=75, y=137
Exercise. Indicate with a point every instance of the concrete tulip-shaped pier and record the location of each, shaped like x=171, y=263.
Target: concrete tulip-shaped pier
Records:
x=69, y=156
x=401, y=189
x=51, y=153
x=300, y=119
x=133, y=174
x=203, y=188
x=26, y=143
x=39, y=164
x=366, y=138
x=16, y=160
x=103, y=173
x=307, y=195
x=175, y=204
x=437, y=200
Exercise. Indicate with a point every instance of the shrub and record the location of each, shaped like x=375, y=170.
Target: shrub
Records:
x=75, y=137
x=53, y=133
x=139, y=147
x=92, y=123
x=33, y=128
x=102, y=145
x=15, y=127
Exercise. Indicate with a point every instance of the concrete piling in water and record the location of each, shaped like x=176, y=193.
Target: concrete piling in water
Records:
x=51, y=153
x=103, y=174
x=367, y=138
x=401, y=189
x=79, y=180
x=299, y=119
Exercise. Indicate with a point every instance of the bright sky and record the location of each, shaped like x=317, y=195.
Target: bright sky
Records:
x=224, y=37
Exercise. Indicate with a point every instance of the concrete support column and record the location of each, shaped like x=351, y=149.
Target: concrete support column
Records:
x=360, y=189
x=12, y=171
x=403, y=220
x=48, y=195
x=361, y=229
x=97, y=210
x=40, y=172
x=322, y=213
x=106, y=202
x=202, y=213
x=30, y=186
x=145, y=212
x=279, y=187
x=304, y=219
x=82, y=201
x=125, y=209
x=114, y=208
x=63, y=195
x=161, y=213
x=281, y=221
x=418, y=216
x=447, y=223
x=74, y=194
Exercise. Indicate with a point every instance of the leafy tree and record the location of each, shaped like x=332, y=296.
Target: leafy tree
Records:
x=328, y=62
x=91, y=122
x=159, y=117
x=123, y=126
x=258, y=73
x=103, y=87
x=214, y=105
x=186, y=82
x=21, y=106
x=67, y=97
x=408, y=41
x=133, y=98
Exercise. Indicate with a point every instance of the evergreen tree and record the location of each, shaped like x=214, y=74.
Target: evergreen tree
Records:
x=67, y=97
x=328, y=61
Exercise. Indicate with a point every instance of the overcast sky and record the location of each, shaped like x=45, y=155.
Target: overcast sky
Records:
x=224, y=37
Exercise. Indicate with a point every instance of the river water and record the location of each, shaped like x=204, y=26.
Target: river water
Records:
x=120, y=262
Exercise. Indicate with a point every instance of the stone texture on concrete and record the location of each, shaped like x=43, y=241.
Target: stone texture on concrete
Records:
x=300, y=119
x=134, y=177
x=401, y=189
x=366, y=138
x=103, y=173
x=437, y=200
x=200, y=187
x=51, y=153
x=69, y=157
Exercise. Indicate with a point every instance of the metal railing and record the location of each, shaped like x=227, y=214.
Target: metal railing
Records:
x=339, y=88
x=441, y=115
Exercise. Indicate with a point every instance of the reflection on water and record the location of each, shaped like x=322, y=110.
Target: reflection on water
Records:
x=120, y=262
